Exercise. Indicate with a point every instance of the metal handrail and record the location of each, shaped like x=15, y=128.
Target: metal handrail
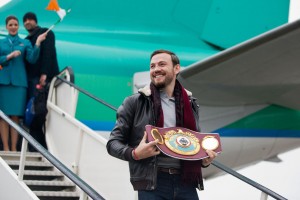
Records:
x=247, y=180
x=214, y=163
x=87, y=93
x=60, y=166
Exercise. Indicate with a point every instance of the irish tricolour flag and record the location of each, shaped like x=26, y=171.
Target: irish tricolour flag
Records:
x=53, y=5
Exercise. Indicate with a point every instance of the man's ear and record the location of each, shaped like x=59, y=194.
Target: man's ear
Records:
x=177, y=69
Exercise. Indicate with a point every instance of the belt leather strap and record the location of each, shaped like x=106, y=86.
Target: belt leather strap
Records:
x=169, y=170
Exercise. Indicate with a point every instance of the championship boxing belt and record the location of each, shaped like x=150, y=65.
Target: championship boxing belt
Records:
x=182, y=143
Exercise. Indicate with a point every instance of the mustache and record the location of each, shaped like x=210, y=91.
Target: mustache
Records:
x=159, y=73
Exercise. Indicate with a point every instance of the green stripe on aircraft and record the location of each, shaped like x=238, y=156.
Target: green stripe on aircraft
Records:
x=272, y=117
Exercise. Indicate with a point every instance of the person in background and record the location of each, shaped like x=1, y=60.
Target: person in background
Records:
x=41, y=72
x=14, y=51
x=165, y=103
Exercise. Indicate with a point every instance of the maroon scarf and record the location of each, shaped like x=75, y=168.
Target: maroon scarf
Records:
x=191, y=170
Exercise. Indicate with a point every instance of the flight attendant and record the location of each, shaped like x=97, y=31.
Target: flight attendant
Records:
x=13, y=81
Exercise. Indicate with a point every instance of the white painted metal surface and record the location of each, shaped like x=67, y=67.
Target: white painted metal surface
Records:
x=22, y=159
x=83, y=150
x=10, y=187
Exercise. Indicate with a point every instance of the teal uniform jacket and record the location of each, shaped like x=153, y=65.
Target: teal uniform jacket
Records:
x=14, y=71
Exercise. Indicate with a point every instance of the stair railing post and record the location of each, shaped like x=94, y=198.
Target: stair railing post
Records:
x=263, y=196
x=22, y=159
x=83, y=196
x=75, y=164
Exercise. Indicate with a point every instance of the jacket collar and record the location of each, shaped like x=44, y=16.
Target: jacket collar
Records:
x=147, y=92
x=13, y=39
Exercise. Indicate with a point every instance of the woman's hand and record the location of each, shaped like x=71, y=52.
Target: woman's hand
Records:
x=13, y=54
x=43, y=79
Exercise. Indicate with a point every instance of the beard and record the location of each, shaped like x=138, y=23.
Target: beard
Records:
x=29, y=27
x=162, y=84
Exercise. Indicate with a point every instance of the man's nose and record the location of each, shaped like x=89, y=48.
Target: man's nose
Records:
x=158, y=67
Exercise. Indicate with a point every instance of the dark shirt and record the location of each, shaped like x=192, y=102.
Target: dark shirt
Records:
x=47, y=61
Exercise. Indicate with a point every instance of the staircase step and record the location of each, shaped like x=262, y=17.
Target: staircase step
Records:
x=31, y=165
x=11, y=155
x=50, y=185
x=41, y=175
x=65, y=195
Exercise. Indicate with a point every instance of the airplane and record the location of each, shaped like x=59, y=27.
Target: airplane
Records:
x=246, y=87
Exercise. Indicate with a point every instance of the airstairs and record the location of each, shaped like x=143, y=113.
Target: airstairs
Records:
x=76, y=165
x=46, y=182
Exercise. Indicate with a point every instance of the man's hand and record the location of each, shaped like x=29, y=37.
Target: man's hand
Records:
x=211, y=155
x=41, y=38
x=145, y=150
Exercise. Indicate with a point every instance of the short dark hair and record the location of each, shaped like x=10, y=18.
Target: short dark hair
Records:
x=11, y=17
x=30, y=15
x=174, y=58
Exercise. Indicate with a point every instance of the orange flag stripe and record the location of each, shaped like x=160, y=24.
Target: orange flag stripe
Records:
x=53, y=5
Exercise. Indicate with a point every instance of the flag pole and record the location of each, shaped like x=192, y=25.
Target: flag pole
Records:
x=58, y=21
x=53, y=25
